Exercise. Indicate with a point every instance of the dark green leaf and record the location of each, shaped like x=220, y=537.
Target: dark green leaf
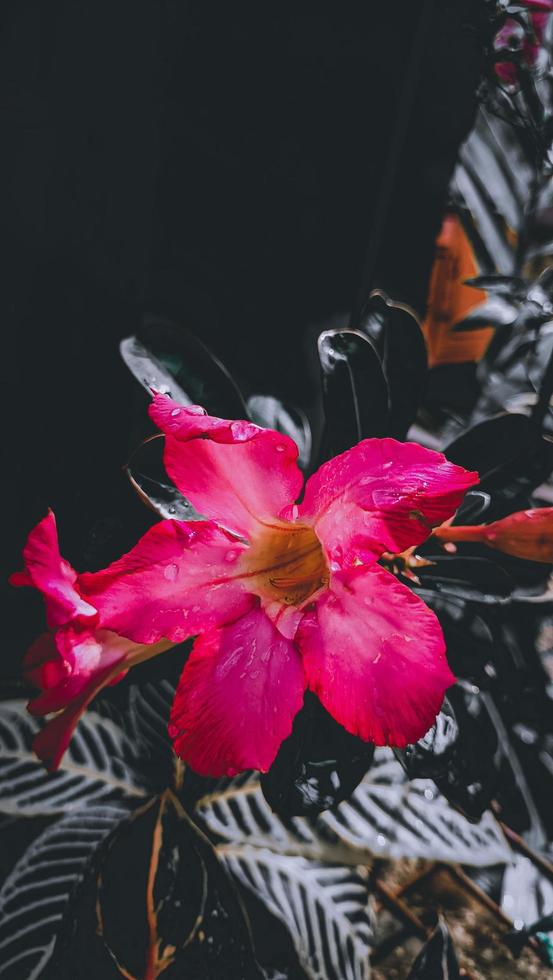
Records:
x=157, y=903
x=167, y=357
x=492, y=443
x=148, y=478
x=319, y=765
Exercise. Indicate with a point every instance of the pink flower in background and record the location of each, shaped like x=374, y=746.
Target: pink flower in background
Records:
x=512, y=33
x=281, y=596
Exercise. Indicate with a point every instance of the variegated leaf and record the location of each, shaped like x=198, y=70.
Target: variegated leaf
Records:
x=396, y=818
x=325, y=908
x=387, y=816
x=36, y=893
x=100, y=765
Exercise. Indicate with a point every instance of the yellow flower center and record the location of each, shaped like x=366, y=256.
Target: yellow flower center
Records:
x=286, y=564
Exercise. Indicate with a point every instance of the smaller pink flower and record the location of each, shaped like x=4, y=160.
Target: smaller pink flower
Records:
x=68, y=666
x=512, y=34
x=281, y=595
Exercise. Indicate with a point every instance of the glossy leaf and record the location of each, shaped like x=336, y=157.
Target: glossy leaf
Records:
x=317, y=766
x=199, y=373
x=432, y=754
x=149, y=370
x=469, y=632
x=355, y=392
x=465, y=576
x=152, y=876
x=157, y=904
x=492, y=443
x=148, y=478
x=168, y=357
x=471, y=777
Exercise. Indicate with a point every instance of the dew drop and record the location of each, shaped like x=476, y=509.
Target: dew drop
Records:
x=231, y=555
x=171, y=572
x=175, y=412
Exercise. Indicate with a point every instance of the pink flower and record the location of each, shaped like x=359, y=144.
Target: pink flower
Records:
x=512, y=35
x=72, y=664
x=281, y=596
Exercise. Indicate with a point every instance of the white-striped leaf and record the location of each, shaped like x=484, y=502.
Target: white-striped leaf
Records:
x=36, y=893
x=325, y=908
x=397, y=818
x=99, y=766
x=386, y=816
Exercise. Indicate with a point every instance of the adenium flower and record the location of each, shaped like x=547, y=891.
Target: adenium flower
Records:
x=526, y=534
x=512, y=34
x=282, y=596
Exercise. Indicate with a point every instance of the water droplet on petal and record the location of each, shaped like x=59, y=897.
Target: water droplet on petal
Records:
x=175, y=412
x=171, y=572
x=231, y=555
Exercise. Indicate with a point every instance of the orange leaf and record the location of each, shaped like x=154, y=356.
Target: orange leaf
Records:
x=449, y=300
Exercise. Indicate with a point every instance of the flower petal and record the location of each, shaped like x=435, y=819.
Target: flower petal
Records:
x=237, y=697
x=374, y=655
x=382, y=495
x=232, y=472
x=48, y=572
x=179, y=580
x=71, y=670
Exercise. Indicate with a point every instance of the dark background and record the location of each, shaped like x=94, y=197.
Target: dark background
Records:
x=222, y=164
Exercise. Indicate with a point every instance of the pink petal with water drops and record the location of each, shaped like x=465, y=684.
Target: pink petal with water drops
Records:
x=231, y=471
x=375, y=656
x=382, y=495
x=70, y=672
x=237, y=697
x=48, y=572
x=180, y=579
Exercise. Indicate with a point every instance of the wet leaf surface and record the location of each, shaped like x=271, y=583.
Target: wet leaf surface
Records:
x=157, y=903
x=319, y=765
